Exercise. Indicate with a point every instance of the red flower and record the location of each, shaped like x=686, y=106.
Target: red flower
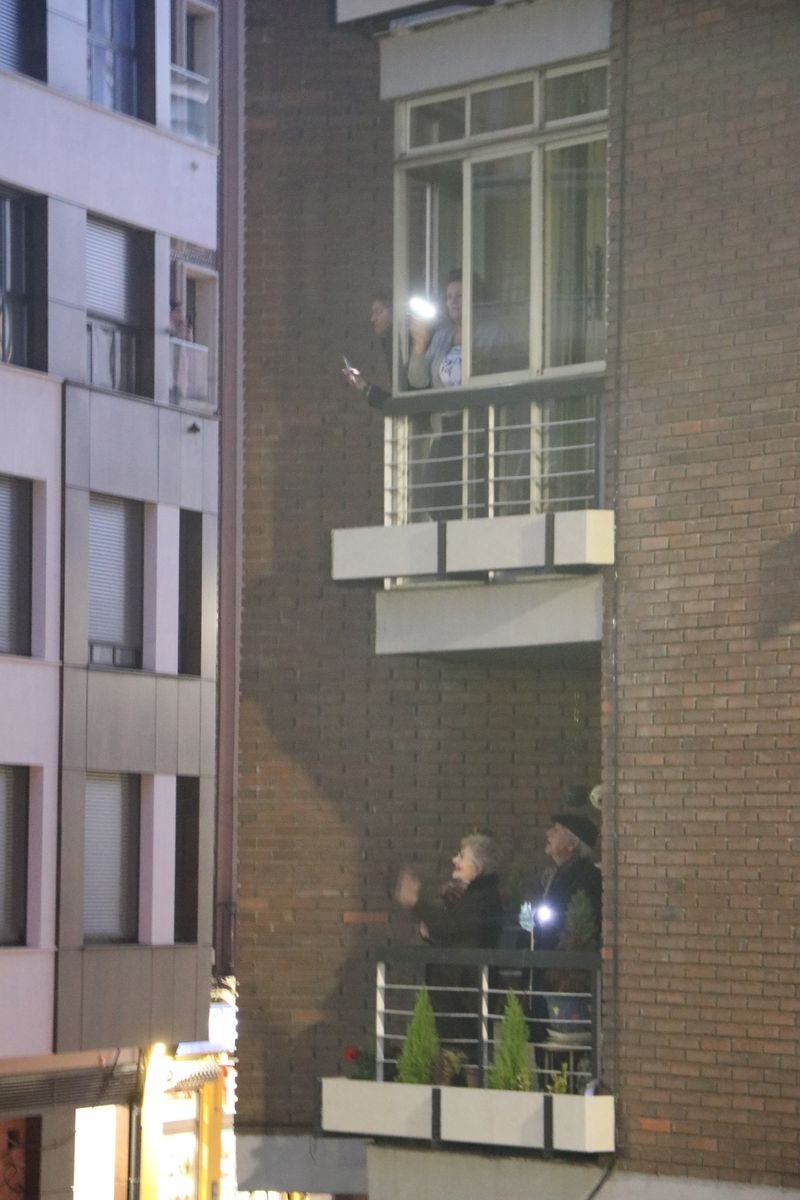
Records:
x=352, y=1053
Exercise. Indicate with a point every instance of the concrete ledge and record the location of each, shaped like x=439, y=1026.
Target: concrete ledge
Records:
x=489, y=616
x=496, y=543
x=583, y=538
x=301, y=1164
x=375, y=551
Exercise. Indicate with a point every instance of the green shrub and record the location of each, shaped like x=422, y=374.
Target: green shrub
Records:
x=511, y=1069
x=420, y=1055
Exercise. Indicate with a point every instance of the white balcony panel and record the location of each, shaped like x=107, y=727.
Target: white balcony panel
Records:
x=496, y=543
x=112, y=164
x=584, y=538
x=546, y=612
x=358, y=10
x=373, y=552
x=27, y=1001
x=488, y=43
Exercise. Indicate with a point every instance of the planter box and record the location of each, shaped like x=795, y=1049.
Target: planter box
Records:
x=583, y=1124
x=397, y=1110
x=493, y=1118
x=475, y=1116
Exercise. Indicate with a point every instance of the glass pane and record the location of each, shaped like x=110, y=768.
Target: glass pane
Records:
x=101, y=355
x=125, y=84
x=435, y=214
x=512, y=459
x=125, y=23
x=501, y=244
x=576, y=94
x=442, y=121
x=567, y=437
x=15, y=246
x=14, y=329
x=439, y=474
x=502, y=108
x=100, y=18
x=575, y=219
x=101, y=76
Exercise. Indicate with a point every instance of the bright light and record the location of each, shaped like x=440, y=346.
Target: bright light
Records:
x=95, y=1149
x=421, y=307
x=544, y=914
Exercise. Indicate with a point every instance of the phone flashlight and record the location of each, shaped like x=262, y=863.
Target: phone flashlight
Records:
x=421, y=307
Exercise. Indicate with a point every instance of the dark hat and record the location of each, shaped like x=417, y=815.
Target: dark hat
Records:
x=582, y=827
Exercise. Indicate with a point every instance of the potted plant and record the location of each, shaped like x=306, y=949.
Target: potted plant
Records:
x=384, y=1109
x=508, y=1113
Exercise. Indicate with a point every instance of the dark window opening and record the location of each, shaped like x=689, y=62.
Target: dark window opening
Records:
x=187, y=846
x=190, y=593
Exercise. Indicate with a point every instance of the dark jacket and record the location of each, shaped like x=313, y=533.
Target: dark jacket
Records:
x=579, y=874
x=472, y=917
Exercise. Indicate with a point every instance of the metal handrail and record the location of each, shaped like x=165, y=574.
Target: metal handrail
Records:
x=478, y=1005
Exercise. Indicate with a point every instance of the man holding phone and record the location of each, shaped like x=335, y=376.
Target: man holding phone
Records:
x=381, y=322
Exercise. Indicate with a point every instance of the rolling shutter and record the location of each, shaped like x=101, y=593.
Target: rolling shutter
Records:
x=10, y=35
x=15, y=565
x=13, y=854
x=109, y=271
x=115, y=572
x=111, y=858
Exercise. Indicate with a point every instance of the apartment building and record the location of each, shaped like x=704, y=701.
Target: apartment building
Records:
x=572, y=564
x=111, y=377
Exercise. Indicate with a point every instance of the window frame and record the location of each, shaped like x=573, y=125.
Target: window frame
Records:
x=118, y=50
x=19, y=856
x=130, y=793
x=22, y=588
x=14, y=206
x=121, y=656
x=534, y=139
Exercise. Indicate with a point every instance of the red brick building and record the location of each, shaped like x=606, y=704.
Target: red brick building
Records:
x=430, y=675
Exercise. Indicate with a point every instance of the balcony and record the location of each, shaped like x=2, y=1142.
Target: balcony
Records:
x=566, y=1110
x=190, y=105
x=188, y=372
x=501, y=491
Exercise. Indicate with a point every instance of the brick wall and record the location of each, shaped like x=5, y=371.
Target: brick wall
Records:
x=350, y=765
x=702, y=686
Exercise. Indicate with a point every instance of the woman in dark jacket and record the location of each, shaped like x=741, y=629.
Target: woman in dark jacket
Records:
x=467, y=912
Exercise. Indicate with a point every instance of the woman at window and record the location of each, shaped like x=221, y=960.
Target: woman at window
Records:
x=435, y=358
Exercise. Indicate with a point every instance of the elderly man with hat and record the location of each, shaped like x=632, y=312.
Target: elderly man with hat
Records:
x=569, y=844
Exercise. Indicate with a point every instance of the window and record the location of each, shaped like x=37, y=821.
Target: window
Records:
x=118, y=261
x=190, y=592
x=192, y=320
x=22, y=36
x=111, y=858
x=112, y=54
x=14, y=282
x=116, y=541
x=193, y=69
x=16, y=504
x=13, y=854
x=501, y=223
x=187, y=846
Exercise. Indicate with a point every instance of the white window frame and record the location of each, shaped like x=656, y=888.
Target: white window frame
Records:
x=534, y=139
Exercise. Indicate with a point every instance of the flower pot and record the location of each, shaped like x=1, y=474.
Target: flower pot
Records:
x=492, y=1117
x=397, y=1110
x=583, y=1124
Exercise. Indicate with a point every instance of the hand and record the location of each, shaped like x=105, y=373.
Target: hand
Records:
x=355, y=379
x=407, y=889
x=420, y=333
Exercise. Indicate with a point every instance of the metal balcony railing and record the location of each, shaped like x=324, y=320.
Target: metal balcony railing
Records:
x=189, y=371
x=190, y=104
x=560, y=994
x=514, y=452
